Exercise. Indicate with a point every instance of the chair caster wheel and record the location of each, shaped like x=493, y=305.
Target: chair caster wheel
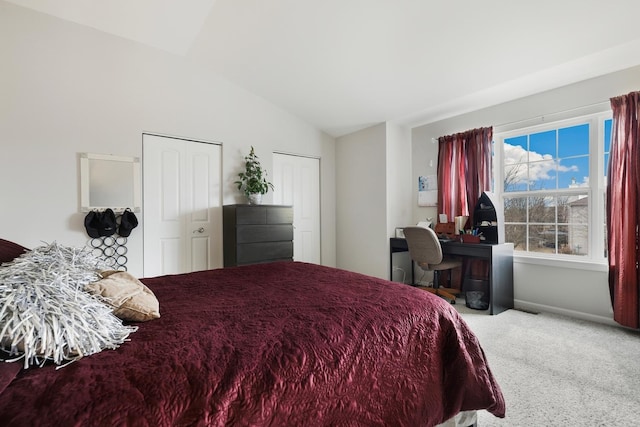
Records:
x=453, y=302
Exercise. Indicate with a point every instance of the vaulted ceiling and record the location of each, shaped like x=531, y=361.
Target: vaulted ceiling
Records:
x=343, y=65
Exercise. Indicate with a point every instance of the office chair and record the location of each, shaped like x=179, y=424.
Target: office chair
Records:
x=425, y=250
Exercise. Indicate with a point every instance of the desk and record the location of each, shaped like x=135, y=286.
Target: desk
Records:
x=500, y=258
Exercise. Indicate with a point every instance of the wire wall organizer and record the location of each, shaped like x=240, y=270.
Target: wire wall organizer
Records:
x=109, y=233
x=112, y=249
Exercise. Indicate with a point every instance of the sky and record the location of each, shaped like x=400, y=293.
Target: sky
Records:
x=555, y=159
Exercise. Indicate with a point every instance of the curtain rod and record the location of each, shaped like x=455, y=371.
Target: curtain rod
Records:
x=542, y=117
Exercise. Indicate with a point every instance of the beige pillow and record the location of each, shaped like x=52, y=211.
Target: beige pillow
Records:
x=129, y=297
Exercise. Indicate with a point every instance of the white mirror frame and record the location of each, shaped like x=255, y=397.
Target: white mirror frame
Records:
x=98, y=171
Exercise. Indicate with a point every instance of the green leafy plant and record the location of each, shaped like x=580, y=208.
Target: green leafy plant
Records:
x=253, y=180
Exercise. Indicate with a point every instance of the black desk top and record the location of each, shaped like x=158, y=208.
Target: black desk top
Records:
x=452, y=247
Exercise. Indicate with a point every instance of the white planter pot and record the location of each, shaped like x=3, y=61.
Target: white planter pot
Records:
x=255, y=199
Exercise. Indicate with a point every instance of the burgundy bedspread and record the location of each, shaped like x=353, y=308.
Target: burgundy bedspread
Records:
x=272, y=344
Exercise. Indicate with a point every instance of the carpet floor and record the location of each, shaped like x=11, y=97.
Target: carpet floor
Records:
x=559, y=371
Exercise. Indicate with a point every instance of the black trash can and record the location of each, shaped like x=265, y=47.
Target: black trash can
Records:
x=476, y=293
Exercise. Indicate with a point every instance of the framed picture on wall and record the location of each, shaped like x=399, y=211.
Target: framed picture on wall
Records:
x=427, y=190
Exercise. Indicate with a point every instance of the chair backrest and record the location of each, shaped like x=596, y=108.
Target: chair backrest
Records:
x=424, y=246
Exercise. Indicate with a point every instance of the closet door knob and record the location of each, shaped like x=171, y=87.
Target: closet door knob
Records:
x=199, y=230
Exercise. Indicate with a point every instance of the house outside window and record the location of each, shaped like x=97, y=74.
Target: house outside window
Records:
x=551, y=179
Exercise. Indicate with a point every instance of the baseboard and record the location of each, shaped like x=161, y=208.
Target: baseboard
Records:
x=529, y=306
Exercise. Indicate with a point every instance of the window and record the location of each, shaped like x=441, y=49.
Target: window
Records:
x=552, y=180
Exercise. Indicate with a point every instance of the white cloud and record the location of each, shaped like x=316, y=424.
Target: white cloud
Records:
x=540, y=165
x=584, y=183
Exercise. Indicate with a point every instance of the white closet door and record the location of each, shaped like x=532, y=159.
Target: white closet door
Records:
x=182, y=199
x=297, y=182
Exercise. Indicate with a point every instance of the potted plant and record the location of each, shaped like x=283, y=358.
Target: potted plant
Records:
x=252, y=182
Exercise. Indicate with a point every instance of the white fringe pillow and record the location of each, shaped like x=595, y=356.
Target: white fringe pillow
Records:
x=45, y=313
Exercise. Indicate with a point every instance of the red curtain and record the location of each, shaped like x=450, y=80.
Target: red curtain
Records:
x=623, y=185
x=464, y=171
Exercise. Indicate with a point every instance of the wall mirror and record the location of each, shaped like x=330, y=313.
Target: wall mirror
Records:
x=108, y=181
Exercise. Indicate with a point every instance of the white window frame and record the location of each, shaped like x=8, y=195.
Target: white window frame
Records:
x=596, y=189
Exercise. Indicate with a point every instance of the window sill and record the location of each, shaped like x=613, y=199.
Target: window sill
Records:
x=586, y=264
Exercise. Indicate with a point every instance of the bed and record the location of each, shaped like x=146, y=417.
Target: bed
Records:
x=285, y=343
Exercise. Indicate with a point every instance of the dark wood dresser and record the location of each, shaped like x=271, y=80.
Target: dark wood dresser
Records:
x=257, y=233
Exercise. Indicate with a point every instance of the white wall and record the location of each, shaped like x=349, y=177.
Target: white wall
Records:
x=373, y=196
x=67, y=89
x=575, y=289
x=399, y=175
x=424, y=162
x=361, y=201
x=400, y=194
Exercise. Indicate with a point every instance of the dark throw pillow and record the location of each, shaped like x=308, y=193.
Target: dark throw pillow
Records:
x=10, y=251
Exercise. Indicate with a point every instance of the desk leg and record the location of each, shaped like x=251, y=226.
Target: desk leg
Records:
x=501, y=281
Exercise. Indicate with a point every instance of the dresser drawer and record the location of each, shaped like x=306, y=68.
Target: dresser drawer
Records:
x=250, y=253
x=250, y=215
x=280, y=215
x=263, y=215
x=263, y=233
